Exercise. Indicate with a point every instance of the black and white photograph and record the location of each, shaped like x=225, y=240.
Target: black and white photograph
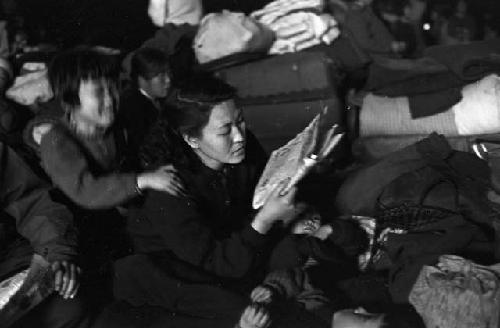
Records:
x=249, y=164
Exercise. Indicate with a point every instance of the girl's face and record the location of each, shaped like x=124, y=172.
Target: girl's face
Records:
x=96, y=104
x=222, y=140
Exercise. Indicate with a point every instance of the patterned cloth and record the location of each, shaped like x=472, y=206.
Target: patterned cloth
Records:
x=458, y=293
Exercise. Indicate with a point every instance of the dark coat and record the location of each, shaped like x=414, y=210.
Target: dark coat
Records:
x=30, y=219
x=201, y=244
x=137, y=114
x=209, y=230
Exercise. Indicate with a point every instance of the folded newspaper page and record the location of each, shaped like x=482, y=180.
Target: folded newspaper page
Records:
x=295, y=159
x=23, y=291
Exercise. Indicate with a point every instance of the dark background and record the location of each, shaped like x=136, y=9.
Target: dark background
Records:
x=116, y=23
x=124, y=24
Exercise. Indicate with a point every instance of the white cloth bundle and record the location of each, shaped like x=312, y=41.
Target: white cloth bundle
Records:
x=175, y=12
x=298, y=24
x=227, y=33
x=30, y=88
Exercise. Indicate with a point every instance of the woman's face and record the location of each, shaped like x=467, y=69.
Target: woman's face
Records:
x=357, y=318
x=96, y=104
x=222, y=140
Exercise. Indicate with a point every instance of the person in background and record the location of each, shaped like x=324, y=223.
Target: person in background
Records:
x=461, y=27
x=368, y=32
x=140, y=104
x=31, y=222
x=394, y=14
x=491, y=26
x=437, y=19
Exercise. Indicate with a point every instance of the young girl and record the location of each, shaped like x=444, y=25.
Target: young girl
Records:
x=81, y=152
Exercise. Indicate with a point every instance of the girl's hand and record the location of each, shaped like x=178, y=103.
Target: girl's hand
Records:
x=163, y=179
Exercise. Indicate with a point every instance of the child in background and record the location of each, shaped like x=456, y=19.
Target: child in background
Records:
x=141, y=103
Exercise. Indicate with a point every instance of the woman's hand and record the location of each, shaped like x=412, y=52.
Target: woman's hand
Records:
x=280, y=206
x=254, y=316
x=67, y=278
x=163, y=179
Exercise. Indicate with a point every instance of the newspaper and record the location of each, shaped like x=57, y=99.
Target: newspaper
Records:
x=295, y=159
x=23, y=291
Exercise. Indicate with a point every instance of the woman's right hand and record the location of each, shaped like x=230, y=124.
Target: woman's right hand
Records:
x=280, y=206
x=163, y=179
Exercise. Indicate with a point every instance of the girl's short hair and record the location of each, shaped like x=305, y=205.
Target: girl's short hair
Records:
x=194, y=101
x=68, y=69
x=148, y=63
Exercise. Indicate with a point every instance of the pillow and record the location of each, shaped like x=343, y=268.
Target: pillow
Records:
x=227, y=33
x=30, y=88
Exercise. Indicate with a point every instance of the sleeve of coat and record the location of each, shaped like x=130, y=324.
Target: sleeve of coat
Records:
x=67, y=166
x=46, y=224
x=287, y=283
x=181, y=226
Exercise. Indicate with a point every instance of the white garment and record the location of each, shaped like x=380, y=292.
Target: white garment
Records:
x=176, y=12
x=298, y=24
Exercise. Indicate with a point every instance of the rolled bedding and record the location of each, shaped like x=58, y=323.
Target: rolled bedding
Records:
x=477, y=113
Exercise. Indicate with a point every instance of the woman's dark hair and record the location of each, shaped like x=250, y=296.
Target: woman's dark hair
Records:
x=193, y=102
x=68, y=69
x=148, y=63
x=403, y=316
x=186, y=114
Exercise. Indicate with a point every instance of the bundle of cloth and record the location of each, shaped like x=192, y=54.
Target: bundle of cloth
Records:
x=298, y=24
x=457, y=292
x=30, y=88
x=457, y=96
x=228, y=33
x=280, y=27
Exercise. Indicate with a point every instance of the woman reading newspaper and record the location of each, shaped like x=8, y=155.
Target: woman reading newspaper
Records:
x=202, y=253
